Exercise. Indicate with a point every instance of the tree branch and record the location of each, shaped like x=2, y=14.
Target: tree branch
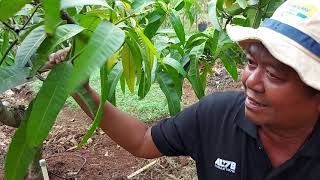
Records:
x=17, y=32
x=33, y=13
x=65, y=16
x=8, y=26
x=8, y=51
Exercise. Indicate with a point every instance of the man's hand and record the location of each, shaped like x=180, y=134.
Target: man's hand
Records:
x=59, y=56
x=55, y=58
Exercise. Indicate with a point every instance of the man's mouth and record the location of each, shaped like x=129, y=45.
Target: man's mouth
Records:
x=254, y=105
x=255, y=102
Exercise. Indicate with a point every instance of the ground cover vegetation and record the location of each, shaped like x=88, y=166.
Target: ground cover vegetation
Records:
x=133, y=44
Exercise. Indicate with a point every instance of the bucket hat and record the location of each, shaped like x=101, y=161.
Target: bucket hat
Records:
x=292, y=36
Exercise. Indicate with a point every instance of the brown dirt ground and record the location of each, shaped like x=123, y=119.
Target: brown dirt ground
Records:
x=101, y=158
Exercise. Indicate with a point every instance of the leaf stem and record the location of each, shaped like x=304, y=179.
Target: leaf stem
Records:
x=132, y=15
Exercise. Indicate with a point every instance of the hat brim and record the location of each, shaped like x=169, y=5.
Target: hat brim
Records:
x=287, y=51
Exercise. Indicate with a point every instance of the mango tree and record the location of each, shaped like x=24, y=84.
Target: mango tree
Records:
x=116, y=37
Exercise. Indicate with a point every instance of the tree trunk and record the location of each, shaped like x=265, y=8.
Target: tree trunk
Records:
x=12, y=117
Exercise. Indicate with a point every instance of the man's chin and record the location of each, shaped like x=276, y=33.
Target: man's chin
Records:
x=255, y=118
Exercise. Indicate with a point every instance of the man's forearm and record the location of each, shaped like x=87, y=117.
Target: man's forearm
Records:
x=124, y=129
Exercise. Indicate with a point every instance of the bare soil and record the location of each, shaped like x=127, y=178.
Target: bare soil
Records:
x=101, y=158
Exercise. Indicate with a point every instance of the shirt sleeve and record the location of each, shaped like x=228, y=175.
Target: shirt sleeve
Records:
x=177, y=136
x=188, y=133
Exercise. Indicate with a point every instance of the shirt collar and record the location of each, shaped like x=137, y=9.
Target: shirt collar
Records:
x=311, y=147
x=245, y=124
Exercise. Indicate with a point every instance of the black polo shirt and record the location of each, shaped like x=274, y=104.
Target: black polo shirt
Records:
x=225, y=144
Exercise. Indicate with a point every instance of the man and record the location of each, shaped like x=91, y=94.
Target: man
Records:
x=270, y=131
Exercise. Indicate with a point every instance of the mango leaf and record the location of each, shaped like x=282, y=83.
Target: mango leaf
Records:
x=188, y=10
x=177, y=25
x=52, y=15
x=29, y=46
x=163, y=4
x=155, y=15
x=129, y=67
x=104, y=93
x=147, y=44
x=26, y=32
x=144, y=85
x=255, y=16
x=73, y=3
x=113, y=79
x=123, y=84
x=198, y=51
x=234, y=9
x=152, y=28
x=214, y=18
x=194, y=37
x=86, y=98
x=112, y=61
x=203, y=76
x=136, y=51
x=168, y=88
x=8, y=8
x=242, y=3
x=12, y=76
x=272, y=6
x=228, y=3
x=105, y=41
x=147, y=56
x=138, y=5
x=40, y=117
x=263, y=3
x=230, y=65
x=214, y=41
x=188, y=4
x=196, y=43
x=176, y=78
x=220, y=5
x=62, y=34
x=177, y=48
x=47, y=104
x=175, y=64
x=99, y=114
x=20, y=153
x=194, y=77
x=241, y=22
x=87, y=21
x=148, y=52
x=179, y=5
x=5, y=42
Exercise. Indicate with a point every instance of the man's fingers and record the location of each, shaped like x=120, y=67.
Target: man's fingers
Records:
x=55, y=58
x=51, y=59
x=59, y=56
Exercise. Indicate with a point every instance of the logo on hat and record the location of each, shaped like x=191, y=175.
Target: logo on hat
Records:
x=303, y=11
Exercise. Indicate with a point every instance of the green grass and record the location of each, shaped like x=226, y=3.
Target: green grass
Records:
x=154, y=106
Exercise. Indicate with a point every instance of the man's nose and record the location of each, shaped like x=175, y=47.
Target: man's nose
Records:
x=255, y=81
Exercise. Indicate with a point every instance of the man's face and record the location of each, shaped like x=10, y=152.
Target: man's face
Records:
x=275, y=95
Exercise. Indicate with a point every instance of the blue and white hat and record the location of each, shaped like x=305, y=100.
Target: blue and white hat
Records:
x=292, y=35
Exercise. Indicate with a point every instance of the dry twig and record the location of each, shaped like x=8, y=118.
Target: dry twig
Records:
x=142, y=169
